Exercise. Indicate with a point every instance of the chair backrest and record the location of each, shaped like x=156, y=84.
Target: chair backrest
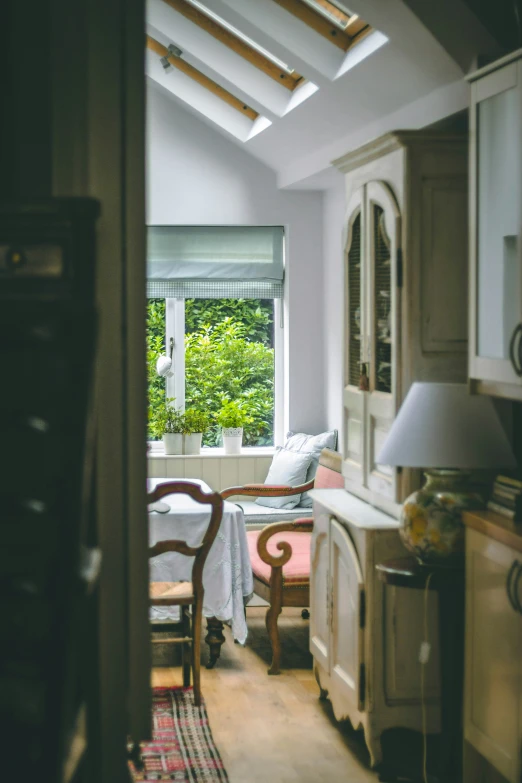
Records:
x=329, y=475
x=200, y=552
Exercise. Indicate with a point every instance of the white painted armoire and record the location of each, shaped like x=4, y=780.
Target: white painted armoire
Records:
x=405, y=283
x=405, y=305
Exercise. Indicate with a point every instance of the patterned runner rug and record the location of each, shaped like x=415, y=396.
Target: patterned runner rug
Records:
x=182, y=748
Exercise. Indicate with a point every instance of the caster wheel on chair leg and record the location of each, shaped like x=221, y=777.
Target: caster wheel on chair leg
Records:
x=305, y=614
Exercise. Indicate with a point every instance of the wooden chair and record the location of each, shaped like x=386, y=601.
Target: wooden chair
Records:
x=187, y=594
x=284, y=579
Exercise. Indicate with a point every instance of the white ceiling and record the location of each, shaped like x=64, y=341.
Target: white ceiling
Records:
x=401, y=76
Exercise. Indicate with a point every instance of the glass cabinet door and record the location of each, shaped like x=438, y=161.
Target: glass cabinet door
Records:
x=356, y=331
x=496, y=327
x=383, y=238
x=354, y=402
x=382, y=301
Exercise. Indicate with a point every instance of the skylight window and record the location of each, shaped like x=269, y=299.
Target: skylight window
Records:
x=329, y=19
x=242, y=44
x=332, y=12
x=242, y=36
x=181, y=65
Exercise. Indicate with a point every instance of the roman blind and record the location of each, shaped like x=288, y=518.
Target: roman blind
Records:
x=215, y=262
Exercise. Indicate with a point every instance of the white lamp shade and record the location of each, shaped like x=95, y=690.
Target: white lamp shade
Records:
x=442, y=425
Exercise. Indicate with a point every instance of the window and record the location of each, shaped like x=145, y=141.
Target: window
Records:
x=236, y=40
x=225, y=334
x=331, y=11
x=329, y=19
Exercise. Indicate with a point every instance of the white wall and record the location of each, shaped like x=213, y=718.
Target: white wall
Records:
x=333, y=219
x=197, y=176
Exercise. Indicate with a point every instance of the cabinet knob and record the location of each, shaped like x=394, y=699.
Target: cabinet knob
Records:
x=515, y=349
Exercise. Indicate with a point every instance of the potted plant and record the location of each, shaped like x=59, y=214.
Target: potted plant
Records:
x=170, y=426
x=194, y=425
x=232, y=418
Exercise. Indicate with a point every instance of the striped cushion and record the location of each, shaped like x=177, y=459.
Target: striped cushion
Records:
x=296, y=571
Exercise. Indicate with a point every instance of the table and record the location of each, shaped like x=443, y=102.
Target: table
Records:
x=449, y=584
x=227, y=576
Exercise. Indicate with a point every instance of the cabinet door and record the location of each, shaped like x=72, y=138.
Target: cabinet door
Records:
x=496, y=225
x=320, y=589
x=493, y=656
x=383, y=307
x=347, y=620
x=356, y=342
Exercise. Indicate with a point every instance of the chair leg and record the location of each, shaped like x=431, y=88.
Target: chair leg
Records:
x=197, y=611
x=272, y=614
x=186, y=650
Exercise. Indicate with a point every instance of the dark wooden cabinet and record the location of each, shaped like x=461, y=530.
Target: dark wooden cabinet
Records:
x=48, y=557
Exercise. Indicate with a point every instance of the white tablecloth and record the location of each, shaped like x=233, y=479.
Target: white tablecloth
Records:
x=227, y=576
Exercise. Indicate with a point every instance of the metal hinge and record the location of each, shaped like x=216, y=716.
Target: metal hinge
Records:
x=362, y=684
x=399, y=268
x=362, y=610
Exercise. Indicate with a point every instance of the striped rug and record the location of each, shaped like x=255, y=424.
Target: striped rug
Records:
x=182, y=748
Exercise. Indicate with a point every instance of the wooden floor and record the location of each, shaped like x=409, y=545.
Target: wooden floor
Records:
x=275, y=729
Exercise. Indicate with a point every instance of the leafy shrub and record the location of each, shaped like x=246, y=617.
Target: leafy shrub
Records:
x=222, y=365
x=254, y=314
x=232, y=415
x=195, y=421
x=228, y=357
x=167, y=418
x=155, y=347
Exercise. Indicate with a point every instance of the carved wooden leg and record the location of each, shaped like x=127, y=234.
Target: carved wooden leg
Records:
x=197, y=616
x=272, y=614
x=215, y=639
x=372, y=738
x=323, y=694
x=186, y=651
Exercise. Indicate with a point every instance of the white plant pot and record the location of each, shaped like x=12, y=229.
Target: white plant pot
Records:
x=192, y=443
x=173, y=442
x=232, y=439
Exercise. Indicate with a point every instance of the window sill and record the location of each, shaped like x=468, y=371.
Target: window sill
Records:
x=208, y=453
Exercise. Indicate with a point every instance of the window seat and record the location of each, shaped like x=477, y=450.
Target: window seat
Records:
x=256, y=516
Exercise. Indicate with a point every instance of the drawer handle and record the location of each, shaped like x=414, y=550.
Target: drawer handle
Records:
x=509, y=585
x=516, y=599
x=90, y=568
x=516, y=357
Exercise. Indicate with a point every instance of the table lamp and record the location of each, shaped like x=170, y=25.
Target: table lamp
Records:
x=448, y=432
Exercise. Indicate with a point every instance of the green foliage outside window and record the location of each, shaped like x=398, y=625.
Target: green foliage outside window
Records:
x=228, y=356
x=156, y=385
x=254, y=314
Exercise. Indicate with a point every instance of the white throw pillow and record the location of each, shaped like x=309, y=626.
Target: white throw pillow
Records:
x=312, y=444
x=288, y=468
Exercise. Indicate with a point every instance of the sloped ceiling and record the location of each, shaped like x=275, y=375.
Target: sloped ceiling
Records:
x=406, y=73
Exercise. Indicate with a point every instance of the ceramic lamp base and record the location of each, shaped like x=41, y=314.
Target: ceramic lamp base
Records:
x=431, y=524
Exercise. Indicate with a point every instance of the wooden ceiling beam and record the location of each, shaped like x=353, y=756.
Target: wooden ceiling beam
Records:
x=200, y=78
x=209, y=25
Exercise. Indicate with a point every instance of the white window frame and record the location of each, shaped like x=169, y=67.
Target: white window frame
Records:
x=175, y=385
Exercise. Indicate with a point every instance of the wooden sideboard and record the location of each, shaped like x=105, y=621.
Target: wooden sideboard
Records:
x=365, y=636
x=493, y=639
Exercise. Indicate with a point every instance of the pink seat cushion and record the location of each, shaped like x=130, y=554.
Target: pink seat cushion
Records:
x=296, y=571
x=326, y=478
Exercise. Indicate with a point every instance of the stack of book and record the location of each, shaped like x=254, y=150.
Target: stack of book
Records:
x=506, y=498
